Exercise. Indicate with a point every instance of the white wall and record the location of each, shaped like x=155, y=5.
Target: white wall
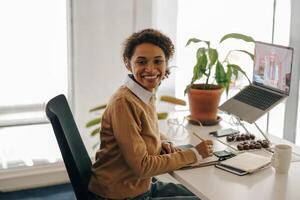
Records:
x=99, y=29
x=164, y=18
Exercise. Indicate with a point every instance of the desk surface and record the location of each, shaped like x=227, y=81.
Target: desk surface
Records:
x=215, y=184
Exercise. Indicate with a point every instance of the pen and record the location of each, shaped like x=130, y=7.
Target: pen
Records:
x=198, y=137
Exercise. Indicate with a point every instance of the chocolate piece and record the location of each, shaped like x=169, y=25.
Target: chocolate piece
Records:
x=260, y=141
x=246, y=146
x=247, y=136
x=229, y=138
x=257, y=146
x=265, y=145
x=243, y=138
x=252, y=146
x=240, y=147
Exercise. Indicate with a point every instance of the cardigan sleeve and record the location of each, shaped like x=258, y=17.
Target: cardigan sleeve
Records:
x=127, y=129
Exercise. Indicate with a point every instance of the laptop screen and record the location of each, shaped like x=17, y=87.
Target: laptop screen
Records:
x=273, y=66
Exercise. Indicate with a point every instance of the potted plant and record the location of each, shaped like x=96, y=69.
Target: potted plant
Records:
x=211, y=76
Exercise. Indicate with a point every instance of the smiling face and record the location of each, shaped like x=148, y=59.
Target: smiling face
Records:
x=148, y=65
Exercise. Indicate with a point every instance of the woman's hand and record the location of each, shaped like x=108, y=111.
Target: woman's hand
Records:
x=205, y=148
x=168, y=147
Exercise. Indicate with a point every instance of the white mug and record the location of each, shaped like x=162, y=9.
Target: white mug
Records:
x=281, y=158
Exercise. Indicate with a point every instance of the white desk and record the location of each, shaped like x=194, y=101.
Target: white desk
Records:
x=215, y=184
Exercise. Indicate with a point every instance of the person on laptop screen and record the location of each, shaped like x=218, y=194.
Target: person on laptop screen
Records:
x=272, y=66
x=270, y=84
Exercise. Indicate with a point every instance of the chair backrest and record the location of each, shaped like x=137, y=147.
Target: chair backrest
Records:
x=75, y=156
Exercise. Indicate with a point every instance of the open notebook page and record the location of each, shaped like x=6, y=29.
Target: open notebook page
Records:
x=246, y=161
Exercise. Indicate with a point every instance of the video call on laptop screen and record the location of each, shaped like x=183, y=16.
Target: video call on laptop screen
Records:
x=273, y=66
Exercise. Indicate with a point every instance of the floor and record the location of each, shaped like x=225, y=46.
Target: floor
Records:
x=58, y=192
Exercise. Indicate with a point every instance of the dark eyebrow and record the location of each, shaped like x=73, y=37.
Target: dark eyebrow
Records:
x=141, y=57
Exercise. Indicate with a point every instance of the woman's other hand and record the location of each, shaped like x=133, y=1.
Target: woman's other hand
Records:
x=205, y=148
x=168, y=147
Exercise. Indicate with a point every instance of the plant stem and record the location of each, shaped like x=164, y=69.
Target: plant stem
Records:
x=208, y=76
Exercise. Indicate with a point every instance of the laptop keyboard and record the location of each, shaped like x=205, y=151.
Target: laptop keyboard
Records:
x=256, y=97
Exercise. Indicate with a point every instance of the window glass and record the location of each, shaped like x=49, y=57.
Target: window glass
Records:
x=281, y=37
x=25, y=146
x=33, y=51
x=33, y=69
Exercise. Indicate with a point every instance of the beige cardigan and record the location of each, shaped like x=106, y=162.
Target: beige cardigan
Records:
x=130, y=148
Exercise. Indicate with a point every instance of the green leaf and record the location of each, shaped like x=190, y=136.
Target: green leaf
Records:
x=202, y=63
x=200, y=52
x=228, y=78
x=213, y=56
x=98, y=108
x=246, y=52
x=187, y=88
x=95, y=131
x=196, y=73
x=228, y=73
x=220, y=74
x=162, y=115
x=199, y=68
x=93, y=122
x=238, y=68
x=237, y=36
x=195, y=40
x=234, y=70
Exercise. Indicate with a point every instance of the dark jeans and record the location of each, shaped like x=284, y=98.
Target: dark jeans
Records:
x=164, y=191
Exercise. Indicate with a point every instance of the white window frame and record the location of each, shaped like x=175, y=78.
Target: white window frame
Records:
x=290, y=121
x=18, y=109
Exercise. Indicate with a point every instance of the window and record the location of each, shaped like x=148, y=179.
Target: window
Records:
x=210, y=20
x=33, y=69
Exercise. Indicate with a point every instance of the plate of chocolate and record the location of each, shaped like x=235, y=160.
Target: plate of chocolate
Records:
x=245, y=142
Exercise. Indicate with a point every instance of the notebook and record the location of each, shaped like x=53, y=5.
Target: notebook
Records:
x=270, y=83
x=245, y=163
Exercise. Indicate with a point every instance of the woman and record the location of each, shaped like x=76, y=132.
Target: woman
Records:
x=131, y=144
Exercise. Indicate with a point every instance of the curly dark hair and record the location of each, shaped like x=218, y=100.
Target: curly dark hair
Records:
x=148, y=36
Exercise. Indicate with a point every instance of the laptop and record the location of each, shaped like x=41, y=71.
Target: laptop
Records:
x=270, y=83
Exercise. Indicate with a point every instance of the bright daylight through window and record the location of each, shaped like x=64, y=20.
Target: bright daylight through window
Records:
x=33, y=68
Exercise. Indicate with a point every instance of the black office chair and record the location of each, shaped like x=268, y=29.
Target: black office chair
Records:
x=75, y=156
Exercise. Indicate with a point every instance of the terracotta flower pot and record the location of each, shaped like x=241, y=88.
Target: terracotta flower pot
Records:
x=204, y=102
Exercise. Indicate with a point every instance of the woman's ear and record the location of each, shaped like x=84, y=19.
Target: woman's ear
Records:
x=127, y=64
x=167, y=73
